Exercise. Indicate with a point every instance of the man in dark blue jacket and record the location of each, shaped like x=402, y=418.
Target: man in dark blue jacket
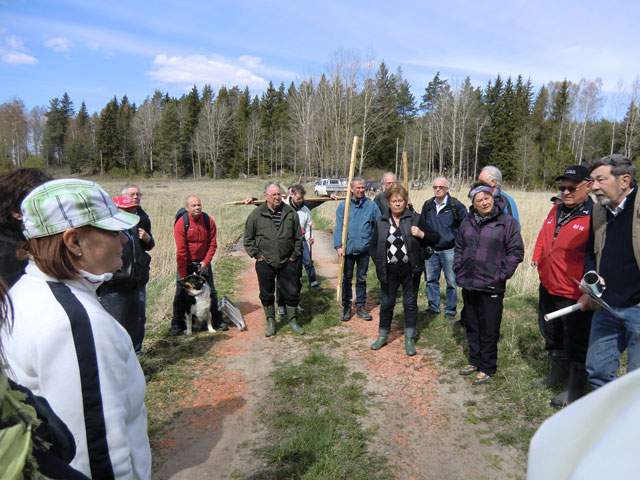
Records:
x=443, y=213
x=363, y=214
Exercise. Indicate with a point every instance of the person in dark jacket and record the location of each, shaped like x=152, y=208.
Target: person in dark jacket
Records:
x=272, y=235
x=443, y=213
x=559, y=255
x=14, y=186
x=147, y=243
x=397, y=248
x=119, y=296
x=487, y=252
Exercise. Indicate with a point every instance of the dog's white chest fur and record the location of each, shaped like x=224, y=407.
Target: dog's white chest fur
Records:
x=201, y=309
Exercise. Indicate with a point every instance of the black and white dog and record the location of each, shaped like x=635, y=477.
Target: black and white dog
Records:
x=196, y=301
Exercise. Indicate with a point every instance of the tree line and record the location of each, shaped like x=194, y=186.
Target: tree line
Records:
x=306, y=129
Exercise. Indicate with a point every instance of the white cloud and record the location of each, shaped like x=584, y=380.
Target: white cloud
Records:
x=58, y=44
x=13, y=51
x=208, y=69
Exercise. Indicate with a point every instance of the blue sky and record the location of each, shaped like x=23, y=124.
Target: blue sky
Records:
x=97, y=49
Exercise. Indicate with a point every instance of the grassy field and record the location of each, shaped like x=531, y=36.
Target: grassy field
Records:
x=511, y=415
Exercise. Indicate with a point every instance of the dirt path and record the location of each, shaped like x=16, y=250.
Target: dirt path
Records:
x=419, y=408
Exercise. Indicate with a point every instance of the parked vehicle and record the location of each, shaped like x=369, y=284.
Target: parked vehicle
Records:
x=372, y=186
x=327, y=186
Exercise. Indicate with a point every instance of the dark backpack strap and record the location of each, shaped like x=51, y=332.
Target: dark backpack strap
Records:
x=207, y=221
x=94, y=421
x=185, y=220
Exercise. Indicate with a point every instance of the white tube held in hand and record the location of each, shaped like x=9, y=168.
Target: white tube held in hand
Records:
x=562, y=312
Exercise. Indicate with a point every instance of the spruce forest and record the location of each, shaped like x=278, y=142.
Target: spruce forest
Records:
x=306, y=129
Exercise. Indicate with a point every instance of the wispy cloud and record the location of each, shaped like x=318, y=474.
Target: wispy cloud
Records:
x=207, y=69
x=58, y=44
x=13, y=51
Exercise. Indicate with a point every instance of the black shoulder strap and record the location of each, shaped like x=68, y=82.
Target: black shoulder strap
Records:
x=207, y=221
x=94, y=421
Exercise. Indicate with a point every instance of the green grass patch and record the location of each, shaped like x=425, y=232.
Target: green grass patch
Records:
x=518, y=408
x=167, y=359
x=313, y=419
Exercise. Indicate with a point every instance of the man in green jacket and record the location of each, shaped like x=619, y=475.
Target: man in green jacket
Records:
x=272, y=235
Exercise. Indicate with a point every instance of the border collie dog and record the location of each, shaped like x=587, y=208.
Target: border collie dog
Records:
x=196, y=300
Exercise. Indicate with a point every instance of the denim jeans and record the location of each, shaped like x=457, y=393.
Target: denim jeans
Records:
x=307, y=261
x=399, y=274
x=361, y=262
x=609, y=338
x=441, y=260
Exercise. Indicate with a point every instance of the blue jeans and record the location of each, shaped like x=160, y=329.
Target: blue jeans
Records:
x=361, y=262
x=441, y=260
x=399, y=274
x=609, y=338
x=308, y=263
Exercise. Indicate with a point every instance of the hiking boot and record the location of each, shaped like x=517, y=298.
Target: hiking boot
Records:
x=346, y=314
x=270, y=314
x=449, y=316
x=315, y=285
x=292, y=313
x=379, y=343
x=481, y=378
x=362, y=313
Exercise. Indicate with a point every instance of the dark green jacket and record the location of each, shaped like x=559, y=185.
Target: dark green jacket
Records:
x=277, y=246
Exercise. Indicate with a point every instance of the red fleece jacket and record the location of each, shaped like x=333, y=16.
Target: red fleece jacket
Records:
x=562, y=261
x=194, y=245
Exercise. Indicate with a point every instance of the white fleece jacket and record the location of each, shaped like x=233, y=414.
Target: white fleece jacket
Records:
x=41, y=354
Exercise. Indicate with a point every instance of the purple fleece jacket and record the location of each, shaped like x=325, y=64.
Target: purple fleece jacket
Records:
x=487, y=255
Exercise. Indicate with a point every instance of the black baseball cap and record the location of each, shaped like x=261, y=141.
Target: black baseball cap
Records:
x=577, y=173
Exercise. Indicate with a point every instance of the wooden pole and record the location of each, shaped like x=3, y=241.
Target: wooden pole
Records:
x=405, y=172
x=345, y=222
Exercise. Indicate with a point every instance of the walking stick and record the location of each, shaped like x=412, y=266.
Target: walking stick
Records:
x=405, y=170
x=345, y=222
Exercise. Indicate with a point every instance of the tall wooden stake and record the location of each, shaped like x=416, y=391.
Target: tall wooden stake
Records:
x=405, y=172
x=345, y=222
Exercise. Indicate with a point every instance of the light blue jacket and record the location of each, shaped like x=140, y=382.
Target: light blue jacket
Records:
x=362, y=219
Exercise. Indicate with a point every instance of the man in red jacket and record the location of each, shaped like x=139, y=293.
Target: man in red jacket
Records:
x=559, y=255
x=195, y=236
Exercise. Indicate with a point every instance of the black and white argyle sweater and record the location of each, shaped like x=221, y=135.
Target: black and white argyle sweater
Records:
x=396, y=248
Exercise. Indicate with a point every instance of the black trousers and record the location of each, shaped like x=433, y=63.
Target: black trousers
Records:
x=483, y=315
x=123, y=305
x=287, y=278
x=177, y=321
x=569, y=333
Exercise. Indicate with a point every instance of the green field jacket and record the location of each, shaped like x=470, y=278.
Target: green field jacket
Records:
x=277, y=246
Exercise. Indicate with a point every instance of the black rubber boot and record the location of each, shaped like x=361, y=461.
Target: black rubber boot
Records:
x=577, y=386
x=270, y=313
x=559, y=370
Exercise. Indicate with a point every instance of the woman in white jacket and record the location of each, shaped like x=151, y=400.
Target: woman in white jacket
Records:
x=64, y=346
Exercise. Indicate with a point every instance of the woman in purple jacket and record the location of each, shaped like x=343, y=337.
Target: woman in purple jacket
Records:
x=488, y=250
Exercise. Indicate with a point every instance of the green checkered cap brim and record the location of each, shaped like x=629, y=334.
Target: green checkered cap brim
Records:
x=58, y=205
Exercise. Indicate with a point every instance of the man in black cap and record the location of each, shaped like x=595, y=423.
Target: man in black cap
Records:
x=559, y=255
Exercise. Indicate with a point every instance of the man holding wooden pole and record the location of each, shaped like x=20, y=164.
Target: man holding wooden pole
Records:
x=363, y=213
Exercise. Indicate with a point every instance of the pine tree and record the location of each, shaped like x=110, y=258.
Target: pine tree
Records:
x=108, y=138
x=168, y=139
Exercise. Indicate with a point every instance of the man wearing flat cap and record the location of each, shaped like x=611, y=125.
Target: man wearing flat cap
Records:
x=559, y=255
